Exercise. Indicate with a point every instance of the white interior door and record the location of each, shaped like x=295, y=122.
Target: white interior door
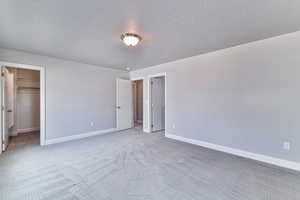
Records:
x=124, y=104
x=157, y=103
x=6, y=111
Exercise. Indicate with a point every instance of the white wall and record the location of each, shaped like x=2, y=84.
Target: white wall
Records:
x=76, y=94
x=246, y=97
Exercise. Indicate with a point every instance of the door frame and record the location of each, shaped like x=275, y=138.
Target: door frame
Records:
x=164, y=74
x=42, y=97
x=141, y=79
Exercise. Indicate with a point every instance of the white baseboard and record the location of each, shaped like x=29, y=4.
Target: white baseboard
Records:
x=14, y=133
x=27, y=130
x=259, y=157
x=146, y=130
x=79, y=136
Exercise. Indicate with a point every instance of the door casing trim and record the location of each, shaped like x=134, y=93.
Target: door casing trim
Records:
x=42, y=97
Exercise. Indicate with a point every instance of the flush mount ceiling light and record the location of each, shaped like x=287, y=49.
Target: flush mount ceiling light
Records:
x=131, y=39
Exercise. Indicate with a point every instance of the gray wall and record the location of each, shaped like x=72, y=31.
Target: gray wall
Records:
x=76, y=94
x=246, y=97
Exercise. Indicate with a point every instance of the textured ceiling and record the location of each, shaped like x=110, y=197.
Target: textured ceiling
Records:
x=89, y=31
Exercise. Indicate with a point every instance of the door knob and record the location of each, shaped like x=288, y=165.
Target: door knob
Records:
x=118, y=107
x=9, y=111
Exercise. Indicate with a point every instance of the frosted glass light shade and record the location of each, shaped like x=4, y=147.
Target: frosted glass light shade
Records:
x=131, y=39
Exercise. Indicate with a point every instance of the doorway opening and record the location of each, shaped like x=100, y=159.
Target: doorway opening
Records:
x=138, y=102
x=21, y=107
x=157, y=103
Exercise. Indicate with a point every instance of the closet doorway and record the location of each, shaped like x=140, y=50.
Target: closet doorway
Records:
x=138, y=99
x=20, y=107
x=157, y=98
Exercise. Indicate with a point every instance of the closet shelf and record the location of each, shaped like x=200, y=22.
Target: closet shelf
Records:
x=30, y=85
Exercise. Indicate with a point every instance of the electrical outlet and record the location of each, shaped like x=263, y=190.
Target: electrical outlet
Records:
x=173, y=126
x=92, y=124
x=286, y=145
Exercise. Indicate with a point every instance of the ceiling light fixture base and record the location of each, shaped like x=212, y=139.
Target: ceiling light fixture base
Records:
x=131, y=39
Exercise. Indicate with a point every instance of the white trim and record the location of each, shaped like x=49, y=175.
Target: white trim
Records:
x=42, y=95
x=21, y=66
x=137, y=78
x=117, y=103
x=157, y=75
x=42, y=107
x=254, y=156
x=14, y=133
x=27, y=130
x=147, y=130
x=163, y=74
x=79, y=136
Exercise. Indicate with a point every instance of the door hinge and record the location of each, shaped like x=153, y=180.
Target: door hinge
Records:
x=2, y=73
x=152, y=125
x=151, y=82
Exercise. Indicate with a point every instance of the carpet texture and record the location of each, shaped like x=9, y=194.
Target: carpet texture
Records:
x=132, y=165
